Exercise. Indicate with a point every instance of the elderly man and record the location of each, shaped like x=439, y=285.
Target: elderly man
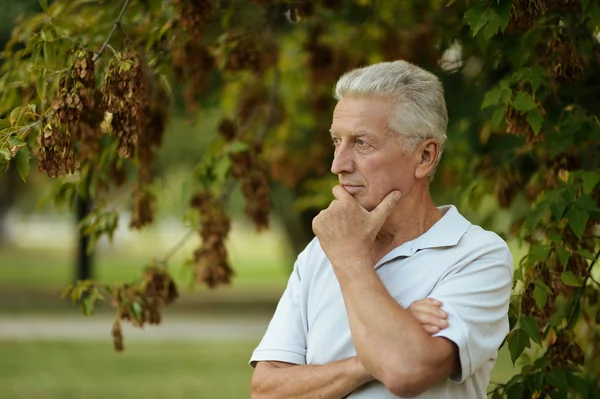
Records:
x=360, y=317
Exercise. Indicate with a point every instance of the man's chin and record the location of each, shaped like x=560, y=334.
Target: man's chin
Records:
x=368, y=205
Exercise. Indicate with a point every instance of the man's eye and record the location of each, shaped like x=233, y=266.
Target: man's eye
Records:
x=335, y=141
x=361, y=143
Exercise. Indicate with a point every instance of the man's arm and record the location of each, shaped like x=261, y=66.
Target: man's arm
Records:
x=335, y=380
x=389, y=341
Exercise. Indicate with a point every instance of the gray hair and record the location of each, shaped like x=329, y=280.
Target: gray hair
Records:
x=421, y=109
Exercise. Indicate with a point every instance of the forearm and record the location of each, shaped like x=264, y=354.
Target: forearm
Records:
x=389, y=341
x=330, y=381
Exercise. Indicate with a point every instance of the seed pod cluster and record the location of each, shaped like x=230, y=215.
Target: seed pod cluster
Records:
x=193, y=15
x=192, y=60
x=249, y=53
x=142, y=303
x=123, y=94
x=153, y=120
x=524, y=13
x=517, y=124
x=144, y=207
x=325, y=63
x=564, y=351
x=55, y=154
x=211, y=264
x=565, y=62
x=246, y=167
x=86, y=132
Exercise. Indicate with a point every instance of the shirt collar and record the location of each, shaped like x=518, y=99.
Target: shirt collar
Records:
x=446, y=232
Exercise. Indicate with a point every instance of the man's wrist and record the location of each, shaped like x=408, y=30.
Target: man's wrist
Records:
x=359, y=372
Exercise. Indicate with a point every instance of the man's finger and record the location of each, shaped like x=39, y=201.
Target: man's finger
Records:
x=431, y=309
x=387, y=205
x=433, y=301
x=431, y=329
x=341, y=194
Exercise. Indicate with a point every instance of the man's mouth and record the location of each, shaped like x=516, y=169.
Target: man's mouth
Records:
x=352, y=188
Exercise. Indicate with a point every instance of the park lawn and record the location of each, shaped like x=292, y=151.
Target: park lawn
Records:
x=157, y=370
x=33, y=269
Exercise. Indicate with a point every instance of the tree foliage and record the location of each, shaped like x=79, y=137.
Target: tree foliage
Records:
x=85, y=88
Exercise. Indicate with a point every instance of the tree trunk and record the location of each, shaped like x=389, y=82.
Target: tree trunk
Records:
x=84, y=266
x=8, y=187
x=298, y=227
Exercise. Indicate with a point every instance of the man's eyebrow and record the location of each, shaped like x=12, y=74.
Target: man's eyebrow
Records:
x=360, y=133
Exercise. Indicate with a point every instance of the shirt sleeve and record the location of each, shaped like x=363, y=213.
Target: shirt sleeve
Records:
x=476, y=299
x=285, y=338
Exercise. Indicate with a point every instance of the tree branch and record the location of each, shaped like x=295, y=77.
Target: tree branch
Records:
x=24, y=128
x=112, y=31
x=581, y=289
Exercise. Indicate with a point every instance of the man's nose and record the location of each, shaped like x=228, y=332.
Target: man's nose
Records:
x=343, y=161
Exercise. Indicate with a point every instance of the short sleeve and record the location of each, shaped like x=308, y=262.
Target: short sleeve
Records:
x=476, y=299
x=285, y=338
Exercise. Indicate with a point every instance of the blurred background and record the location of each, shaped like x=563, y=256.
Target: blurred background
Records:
x=201, y=349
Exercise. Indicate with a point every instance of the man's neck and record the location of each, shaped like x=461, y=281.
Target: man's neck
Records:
x=413, y=216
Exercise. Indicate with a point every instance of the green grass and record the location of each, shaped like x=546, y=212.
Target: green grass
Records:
x=91, y=370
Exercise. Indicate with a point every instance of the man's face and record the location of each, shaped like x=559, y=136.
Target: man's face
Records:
x=370, y=159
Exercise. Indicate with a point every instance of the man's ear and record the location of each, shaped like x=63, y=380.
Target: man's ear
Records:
x=427, y=155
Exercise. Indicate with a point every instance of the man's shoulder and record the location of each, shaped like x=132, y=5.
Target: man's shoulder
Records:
x=485, y=243
x=311, y=257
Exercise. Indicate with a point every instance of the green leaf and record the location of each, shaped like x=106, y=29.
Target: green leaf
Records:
x=586, y=203
x=515, y=391
x=558, y=379
x=536, y=214
x=236, y=146
x=136, y=310
x=589, y=179
x=558, y=207
x=41, y=86
x=539, y=252
x=577, y=220
x=15, y=141
x=529, y=325
x=523, y=102
x=558, y=394
x=493, y=25
x=14, y=115
x=22, y=160
x=584, y=4
x=517, y=342
x=563, y=256
x=67, y=291
x=537, y=74
x=492, y=97
x=498, y=117
x=478, y=16
x=87, y=305
x=540, y=363
x=554, y=237
x=49, y=55
x=579, y=384
x=5, y=153
x=540, y=294
x=570, y=279
x=534, y=118
x=44, y=5
x=586, y=254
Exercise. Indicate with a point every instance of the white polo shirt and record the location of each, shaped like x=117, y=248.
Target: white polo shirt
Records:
x=467, y=268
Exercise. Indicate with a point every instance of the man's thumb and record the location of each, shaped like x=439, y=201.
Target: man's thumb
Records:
x=387, y=205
